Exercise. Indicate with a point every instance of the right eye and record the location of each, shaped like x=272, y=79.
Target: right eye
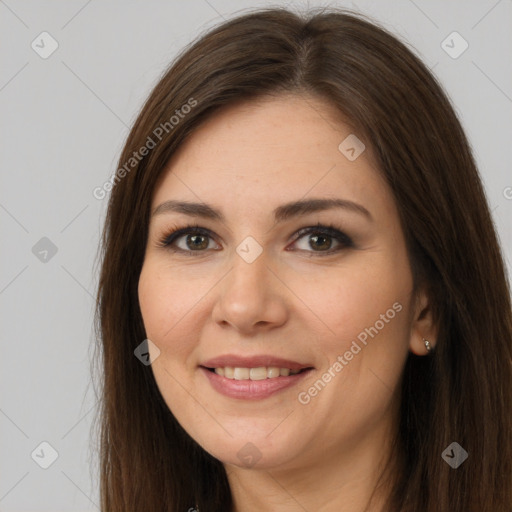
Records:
x=197, y=239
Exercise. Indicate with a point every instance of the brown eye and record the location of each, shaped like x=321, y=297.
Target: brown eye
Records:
x=190, y=239
x=321, y=239
x=194, y=239
x=196, y=242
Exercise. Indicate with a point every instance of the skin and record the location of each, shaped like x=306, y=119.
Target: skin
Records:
x=297, y=304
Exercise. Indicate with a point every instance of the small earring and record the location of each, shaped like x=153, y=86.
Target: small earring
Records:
x=427, y=345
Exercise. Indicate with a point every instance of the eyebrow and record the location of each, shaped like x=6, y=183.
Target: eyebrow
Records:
x=281, y=213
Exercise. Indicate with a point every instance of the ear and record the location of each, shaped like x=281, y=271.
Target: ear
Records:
x=422, y=325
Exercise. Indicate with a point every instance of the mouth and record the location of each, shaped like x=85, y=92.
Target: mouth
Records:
x=253, y=378
x=258, y=373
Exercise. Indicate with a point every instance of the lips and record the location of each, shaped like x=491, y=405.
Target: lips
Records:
x=232, y=375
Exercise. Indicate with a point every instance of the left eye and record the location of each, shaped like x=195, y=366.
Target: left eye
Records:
x=197, y=239
x=321, y=237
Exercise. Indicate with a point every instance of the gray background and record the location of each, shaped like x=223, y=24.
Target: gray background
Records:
x=65, y=119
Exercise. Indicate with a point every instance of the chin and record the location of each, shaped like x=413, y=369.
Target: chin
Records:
x=257, y=451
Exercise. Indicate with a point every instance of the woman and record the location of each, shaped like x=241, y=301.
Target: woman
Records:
x=303, y=304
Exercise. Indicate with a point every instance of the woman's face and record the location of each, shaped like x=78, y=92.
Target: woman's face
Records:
x=255, y=297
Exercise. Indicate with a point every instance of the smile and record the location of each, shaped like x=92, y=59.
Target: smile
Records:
x=252, y=383
x=260, y=373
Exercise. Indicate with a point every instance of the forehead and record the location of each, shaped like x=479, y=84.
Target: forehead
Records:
x=288, y=126
x=258, y=154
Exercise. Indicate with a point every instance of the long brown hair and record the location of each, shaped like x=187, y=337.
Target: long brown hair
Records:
x=462, y=392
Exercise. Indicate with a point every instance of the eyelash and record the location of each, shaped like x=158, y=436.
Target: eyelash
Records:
x=328, y=230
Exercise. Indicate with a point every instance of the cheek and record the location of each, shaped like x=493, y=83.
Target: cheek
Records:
x=164, y=306
x=157, y=304
x=370, y=297
x=154, y=302
x=367, y=310
x=162, y=302
x=171, y=307
x=363, y=337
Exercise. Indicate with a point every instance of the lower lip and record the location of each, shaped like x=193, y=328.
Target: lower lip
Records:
x=252, y=389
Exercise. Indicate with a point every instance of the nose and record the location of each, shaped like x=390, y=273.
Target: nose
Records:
x=251, y=297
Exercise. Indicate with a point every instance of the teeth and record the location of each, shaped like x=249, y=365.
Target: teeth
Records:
x=241, y=373
x=259, y=373
x=273, y=371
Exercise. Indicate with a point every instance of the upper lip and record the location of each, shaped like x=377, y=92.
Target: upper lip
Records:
x=257, y=361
